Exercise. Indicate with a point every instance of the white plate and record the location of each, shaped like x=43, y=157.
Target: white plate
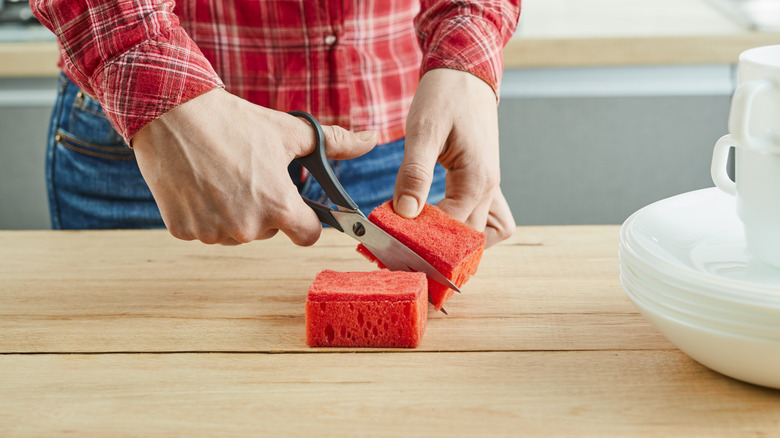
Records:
x=697, y=238
x=716, y=295
x=756, y=325
x=701, y=303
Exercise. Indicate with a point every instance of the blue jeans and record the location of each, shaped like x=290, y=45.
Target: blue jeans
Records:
x=93, y=179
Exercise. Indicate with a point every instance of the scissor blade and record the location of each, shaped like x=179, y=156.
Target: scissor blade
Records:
x=391, y=252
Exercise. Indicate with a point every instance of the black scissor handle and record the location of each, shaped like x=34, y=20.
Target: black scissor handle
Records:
x=325, y=214
x=317, y=164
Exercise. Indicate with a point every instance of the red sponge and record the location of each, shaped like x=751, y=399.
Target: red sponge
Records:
x=366, y=309
x=452, y=247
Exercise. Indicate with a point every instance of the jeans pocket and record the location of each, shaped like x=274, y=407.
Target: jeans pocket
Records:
x=89, y=132
x=89, y=123
x=116, y=151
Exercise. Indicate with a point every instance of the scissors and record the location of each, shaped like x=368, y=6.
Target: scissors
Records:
x=351, y=221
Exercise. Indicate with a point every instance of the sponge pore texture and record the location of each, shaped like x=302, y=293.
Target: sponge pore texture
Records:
x=452, y=247
x=366, y=309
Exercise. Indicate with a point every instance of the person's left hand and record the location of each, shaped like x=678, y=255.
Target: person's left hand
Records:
x=454, y=120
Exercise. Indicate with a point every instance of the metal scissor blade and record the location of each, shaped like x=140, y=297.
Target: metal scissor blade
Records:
x=394, y=254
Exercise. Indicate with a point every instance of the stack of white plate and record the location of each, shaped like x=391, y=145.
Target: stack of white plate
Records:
x=684, y=264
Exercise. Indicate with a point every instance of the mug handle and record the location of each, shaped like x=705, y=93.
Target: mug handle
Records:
x=741, y=104
x=720, y=158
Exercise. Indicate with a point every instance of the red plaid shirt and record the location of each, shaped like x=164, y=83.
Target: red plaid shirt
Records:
x=355, y=63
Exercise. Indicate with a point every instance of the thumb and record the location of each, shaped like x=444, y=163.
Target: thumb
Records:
x=341, y=144
x=414, y=176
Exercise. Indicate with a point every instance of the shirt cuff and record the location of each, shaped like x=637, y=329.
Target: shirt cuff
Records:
x=152, y=78
x=472, y=45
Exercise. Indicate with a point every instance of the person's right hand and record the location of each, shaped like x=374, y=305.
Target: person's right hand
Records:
x=217, y=167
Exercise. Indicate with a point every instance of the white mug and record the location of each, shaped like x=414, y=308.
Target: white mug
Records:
x=754, y=132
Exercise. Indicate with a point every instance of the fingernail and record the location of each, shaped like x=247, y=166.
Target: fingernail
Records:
x=406, y=206
x=366, y=135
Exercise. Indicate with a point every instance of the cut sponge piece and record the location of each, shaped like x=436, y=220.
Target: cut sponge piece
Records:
x=452, y=247
x=366, y=309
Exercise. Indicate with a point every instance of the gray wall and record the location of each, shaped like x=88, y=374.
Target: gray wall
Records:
x=579, y=146
x=591, y=146
x=25, y=106
x=597, y=160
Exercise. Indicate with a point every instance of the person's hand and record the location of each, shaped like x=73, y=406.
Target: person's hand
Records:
x=453, y=120
x=217, y=167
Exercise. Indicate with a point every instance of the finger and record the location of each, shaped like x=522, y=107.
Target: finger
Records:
x=303, y=232
x=465, y=190
x=500, y=222
x=267, y=233
x=479, y=216
x=413, y=183
x=341, y=144
x=211, y=228
x=295, y=219
x=179, y=221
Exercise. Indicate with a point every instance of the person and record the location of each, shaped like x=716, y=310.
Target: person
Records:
x=200, y=89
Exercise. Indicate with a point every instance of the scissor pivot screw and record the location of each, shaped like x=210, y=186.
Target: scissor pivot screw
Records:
x=358, y=229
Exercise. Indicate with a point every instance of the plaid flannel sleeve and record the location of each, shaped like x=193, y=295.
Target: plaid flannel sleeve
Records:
x=467, y=35
x=131, y=55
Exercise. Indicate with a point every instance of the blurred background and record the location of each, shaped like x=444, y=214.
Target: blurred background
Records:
x=606, y=105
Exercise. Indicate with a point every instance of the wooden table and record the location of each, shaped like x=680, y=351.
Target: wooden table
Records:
x=119, y=333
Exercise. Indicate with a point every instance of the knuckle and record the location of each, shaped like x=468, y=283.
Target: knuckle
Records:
x=415, y=175
x=422, y=126
x=503, y=225
x=481, y=179
x=267, y=234
x=179, y=232
x=241, y=230
x=492, y=179
x=505, y=232
x=307, y=239
x=334, y=135
x=482, y=182
x=242, y=235
x=277, y=214
x=282, y=215
x=209, y=237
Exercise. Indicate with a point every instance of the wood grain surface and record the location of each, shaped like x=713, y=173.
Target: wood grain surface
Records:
x=556, y=393
x=147, y=292
x=128, y=333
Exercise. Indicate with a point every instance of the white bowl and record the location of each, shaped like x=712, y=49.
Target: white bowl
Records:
x=684, y=264
x=744, y=358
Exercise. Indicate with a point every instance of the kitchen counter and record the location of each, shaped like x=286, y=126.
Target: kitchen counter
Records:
x=560, y=33
x=113, y=333
x=574, y=33
x=28, y=59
